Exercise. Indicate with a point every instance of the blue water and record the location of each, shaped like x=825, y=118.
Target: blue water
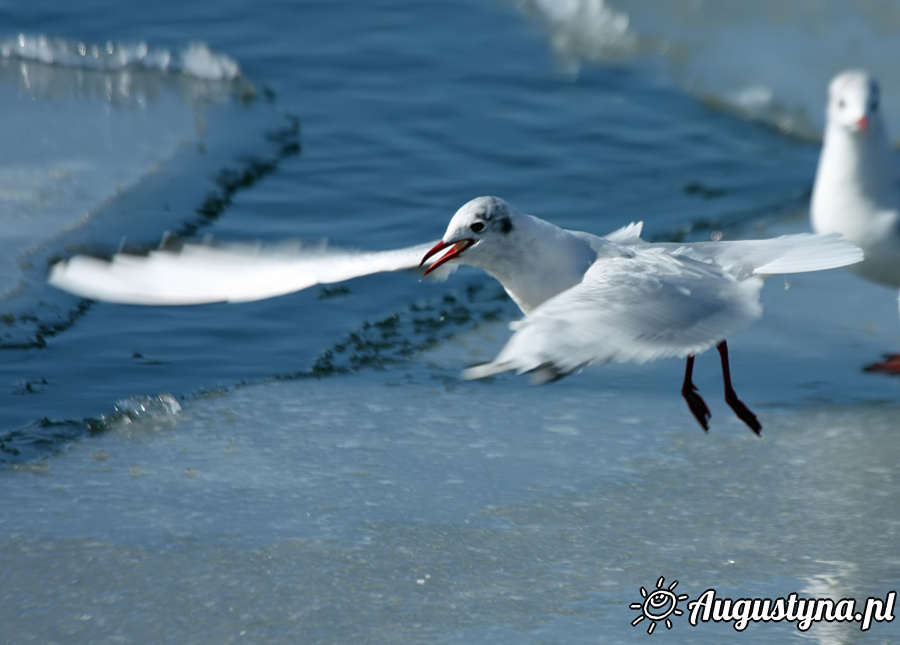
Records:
x=311, y=468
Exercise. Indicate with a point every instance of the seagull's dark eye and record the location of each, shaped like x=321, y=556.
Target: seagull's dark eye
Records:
x=841, y=104
x=477, y=227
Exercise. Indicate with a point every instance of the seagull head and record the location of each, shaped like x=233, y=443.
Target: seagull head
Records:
x=477, y=225
x=853, y=102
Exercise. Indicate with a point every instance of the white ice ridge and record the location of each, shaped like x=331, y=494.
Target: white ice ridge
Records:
x=195, y=60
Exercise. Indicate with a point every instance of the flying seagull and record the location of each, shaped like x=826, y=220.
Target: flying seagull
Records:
x=587, y=299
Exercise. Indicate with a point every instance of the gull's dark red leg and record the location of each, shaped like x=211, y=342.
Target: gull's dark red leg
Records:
x=695, y=401
x=741, y=410
x=890, y=365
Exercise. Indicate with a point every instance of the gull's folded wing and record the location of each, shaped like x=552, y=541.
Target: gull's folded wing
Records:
x=654, y=305
x=198, y=274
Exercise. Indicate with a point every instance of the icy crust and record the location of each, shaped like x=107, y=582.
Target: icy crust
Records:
x=196, y=60
x=585, y=29
x=142, y=411
x=361, y=510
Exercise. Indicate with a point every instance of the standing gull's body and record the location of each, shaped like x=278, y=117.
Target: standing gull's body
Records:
x=856, y=192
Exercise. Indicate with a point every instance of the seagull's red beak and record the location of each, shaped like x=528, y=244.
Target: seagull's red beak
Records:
x=863, y=123
x=455, y=249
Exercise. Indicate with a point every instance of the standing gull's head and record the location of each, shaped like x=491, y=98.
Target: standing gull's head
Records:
x=853, y=102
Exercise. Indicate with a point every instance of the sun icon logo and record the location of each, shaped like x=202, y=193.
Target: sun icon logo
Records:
x=658, y=605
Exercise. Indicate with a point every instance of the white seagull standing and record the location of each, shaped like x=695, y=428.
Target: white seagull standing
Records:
x=587, y=299
x=856, y=191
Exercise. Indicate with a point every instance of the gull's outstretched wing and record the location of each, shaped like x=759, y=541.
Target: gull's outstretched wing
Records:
x=653, y=305
x=786, y=254
x=197, y=274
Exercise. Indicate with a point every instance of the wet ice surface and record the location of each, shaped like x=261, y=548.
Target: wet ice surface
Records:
x=409, y=506
x=414, y=529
